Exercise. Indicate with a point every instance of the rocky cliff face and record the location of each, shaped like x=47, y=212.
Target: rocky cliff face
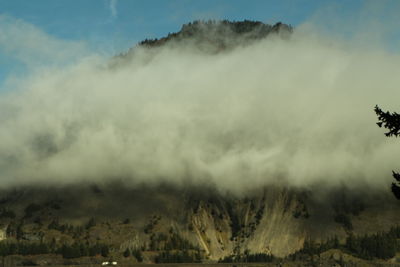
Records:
x=273, y=220
x=266, y=222
x=279, y=220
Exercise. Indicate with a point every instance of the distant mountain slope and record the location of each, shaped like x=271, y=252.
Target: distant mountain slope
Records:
x=191, y=222
x=213, y=36
x=273, y=220
x=222, y=33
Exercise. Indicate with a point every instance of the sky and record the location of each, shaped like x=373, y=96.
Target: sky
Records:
x=113, y=26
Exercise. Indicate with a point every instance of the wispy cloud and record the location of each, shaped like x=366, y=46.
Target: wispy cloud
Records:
x=33, y=47
x=113, y=8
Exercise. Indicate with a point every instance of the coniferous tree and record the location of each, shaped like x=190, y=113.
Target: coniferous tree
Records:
x=91, y=223
x=127, y=253
x=138, y=255
x=19, y=231
x=105, y=251
x=390, y=121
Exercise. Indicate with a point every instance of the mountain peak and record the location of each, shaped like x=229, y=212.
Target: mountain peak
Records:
x=222, y=34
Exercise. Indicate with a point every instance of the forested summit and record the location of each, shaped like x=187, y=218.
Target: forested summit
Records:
x=214, y=36
x=218, y=31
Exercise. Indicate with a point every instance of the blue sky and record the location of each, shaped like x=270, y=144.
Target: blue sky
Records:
x=124, y=20
x=112, y=26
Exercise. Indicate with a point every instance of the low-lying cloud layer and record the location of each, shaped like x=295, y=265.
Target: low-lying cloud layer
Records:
x=295, y=112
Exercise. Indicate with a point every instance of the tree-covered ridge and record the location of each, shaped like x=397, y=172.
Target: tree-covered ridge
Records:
x=382, y=245
x=220, y=32
x=210, y=37
x=74, y=241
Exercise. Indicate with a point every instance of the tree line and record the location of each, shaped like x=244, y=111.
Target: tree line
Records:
x=382, y=245
x=248, y=257
x=184, y=256
x=74, y=250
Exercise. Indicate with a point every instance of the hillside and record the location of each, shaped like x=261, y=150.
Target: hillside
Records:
x=138, y=211
x=151, y=220
x=221, y=34
x=210, y=37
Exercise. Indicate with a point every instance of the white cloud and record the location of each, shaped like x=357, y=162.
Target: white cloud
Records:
x=33, y=47
x=297, y=112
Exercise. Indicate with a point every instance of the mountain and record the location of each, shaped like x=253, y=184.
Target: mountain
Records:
x=90, y=222
x=273, y=221
x=211, y=37
x=221, y=34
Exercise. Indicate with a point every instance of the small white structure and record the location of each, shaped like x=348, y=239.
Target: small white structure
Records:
x=106, y=263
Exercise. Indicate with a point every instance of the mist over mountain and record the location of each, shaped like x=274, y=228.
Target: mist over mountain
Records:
x=233, y=137
x=293, y=111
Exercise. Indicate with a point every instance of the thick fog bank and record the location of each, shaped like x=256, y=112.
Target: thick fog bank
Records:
x=296, y=112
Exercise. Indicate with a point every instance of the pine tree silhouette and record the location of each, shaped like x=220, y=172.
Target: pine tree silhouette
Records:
x=390, y=121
